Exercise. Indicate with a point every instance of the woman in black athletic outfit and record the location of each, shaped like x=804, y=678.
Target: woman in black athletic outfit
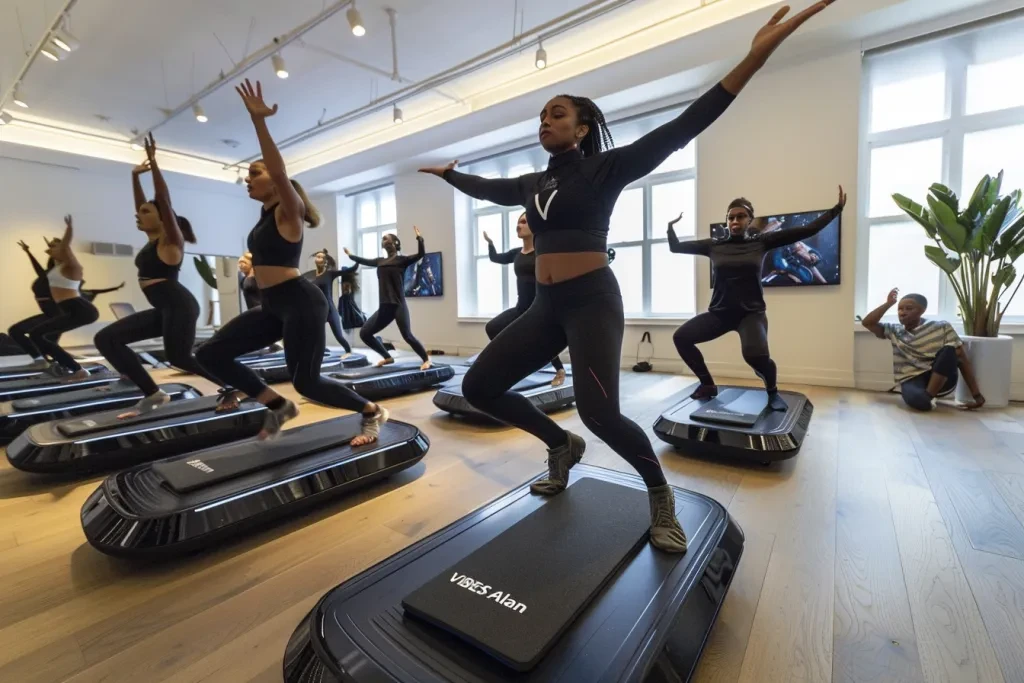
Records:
x=174, y=310
x=293, y=308
x=737, y=297
x=41, y=291
x=323, y=276
x=524, y=264
x=391, y=278
x=578, y=301
x=246, y=282
x=73, y=309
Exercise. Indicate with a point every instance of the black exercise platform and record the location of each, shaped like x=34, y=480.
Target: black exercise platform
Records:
x=395, y=379
x=188, y=502
x=530, y=588
x=14, y=372
x=40, y=385
x=100, y=441
x=537, y=387
x=275, y=370
x=737, y=424
x=17, y=416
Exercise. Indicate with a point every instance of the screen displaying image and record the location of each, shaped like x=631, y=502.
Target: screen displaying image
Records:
x=810, y=262
x=423, y=278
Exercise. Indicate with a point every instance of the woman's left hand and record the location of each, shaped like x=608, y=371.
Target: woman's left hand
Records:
x=775, y=31
x=417, y=231
x=150, y=144
x=842, y=198
x=253, y=99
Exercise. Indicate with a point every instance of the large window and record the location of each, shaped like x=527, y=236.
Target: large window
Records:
x=943, y=111
x=375, y=217
x=654, y=282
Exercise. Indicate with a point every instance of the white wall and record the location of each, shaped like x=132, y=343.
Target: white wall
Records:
x=34, y=198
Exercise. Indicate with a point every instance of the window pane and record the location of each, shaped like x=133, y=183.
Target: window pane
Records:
x=491, y=224
x=367, y=210
x=488, y=288
x=990, y=151
x=908, y=101
x=668, y=200
x=907, y=169
x=628, y=269
x=388, y=208
x=480, y=203
x=896, y=259
x=681, y=160
x=672, y=281
x=370, y=245
x=627, y=222
x=995, y=85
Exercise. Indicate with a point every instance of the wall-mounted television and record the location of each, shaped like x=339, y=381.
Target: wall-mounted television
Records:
x=424, y=278
x=807, y=263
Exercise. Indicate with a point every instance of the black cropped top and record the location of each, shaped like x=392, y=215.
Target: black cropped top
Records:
x=525, y=268
x=267, y=245
x=151, y=267
x=391, y=273
x=570, y=204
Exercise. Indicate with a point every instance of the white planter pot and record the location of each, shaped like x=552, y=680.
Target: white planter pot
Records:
x=992, y=358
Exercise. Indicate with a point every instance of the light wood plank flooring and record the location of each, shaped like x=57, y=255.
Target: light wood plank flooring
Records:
x=890, y=549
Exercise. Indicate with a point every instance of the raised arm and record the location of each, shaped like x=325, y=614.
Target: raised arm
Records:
x=872, y=320
x=505, y=258
x=292, y=209
x=695, y=247
x=71, y=262
x=501, y=191
x=360, y=261
x=40, y=271
x=780, y=238
x=419, y=252
x=172, y=241
x=137, y=192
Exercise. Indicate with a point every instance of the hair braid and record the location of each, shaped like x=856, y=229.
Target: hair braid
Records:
x=598, y=137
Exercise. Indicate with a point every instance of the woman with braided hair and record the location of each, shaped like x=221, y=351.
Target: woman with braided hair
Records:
x=323, y=276
x=578, y=303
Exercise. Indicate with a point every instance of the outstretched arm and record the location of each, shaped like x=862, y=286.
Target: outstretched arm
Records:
x=35, y=264
x=137, y=192
x=695, y=247
x=172, y=236
x=872, y=320
x=70, y=260
x=780, y=238
x=501, y=191
x=419, y=252
x=360, y=261
x=505, y=258
x=96, y=292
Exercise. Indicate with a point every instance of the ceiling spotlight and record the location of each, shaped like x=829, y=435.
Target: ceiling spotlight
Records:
x=51, y=52
x=279, y=67
x=5, y=118
x=541, y=59
x=18, y=99
x=65, y=41
x=355, y=21
x=197, y=109
x=396, y=115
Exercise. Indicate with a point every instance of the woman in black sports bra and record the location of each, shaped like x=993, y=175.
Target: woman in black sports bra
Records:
x=174, y=310
x=391, y=280
x=292, y=307
x=578, y=301
x=323, y=275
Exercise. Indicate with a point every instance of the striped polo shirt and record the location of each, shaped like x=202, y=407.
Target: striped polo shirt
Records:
x=913, y=352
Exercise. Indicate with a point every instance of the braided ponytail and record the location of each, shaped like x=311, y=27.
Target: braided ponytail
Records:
x=598, y=137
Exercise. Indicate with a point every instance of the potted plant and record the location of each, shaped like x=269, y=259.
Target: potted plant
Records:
x=976, y=248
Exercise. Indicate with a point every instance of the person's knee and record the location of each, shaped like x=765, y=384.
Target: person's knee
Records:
x=491, y=329
x=476, y=386
x=682, y=340
x=366, y=335
x=917, y=398
x=207, y=354
x=307, y=385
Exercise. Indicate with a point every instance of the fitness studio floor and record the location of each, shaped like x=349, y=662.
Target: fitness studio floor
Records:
x=890, y=549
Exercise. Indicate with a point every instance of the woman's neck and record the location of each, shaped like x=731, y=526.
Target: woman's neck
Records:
x=527, y=244
x=320, y=270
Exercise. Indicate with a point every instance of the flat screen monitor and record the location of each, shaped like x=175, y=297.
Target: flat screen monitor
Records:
x=424, y=278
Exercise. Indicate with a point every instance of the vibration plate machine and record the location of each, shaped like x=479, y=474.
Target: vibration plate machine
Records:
x=737, y=425
x=537, y=387
x=387, y=381
x=531, y=588
x=188, y=502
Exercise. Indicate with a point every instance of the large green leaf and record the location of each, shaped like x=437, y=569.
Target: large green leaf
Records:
x=1004, y=277
x=976, y=208
x=994, y=221
x=1011, y=235
x=992, y=196
x=944, y=261
x=953, y=235
x=205, y=272
x=915, y=211
x=946, y=196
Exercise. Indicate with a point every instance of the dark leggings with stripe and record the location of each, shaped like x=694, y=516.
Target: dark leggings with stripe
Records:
x=498, y=323
x=585, y=314
x=19, y=330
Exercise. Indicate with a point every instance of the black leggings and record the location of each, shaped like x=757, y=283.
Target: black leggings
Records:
x=499, y=322
x=19, y=330
x=585, y=314
x=915, y=390
x=296, y=312
x=753, y=331
x=72, y=314
x=399, y=313
x=173, y=317
x=334, y=320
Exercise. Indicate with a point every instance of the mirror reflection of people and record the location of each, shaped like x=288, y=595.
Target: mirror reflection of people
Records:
x=524, y=264
x=323, y=275
x=926, y=354
x=737, y=298
x=73, y=309
x=174, y=309
x=292, y=308
x=393, y=308
x=48, y=309
x=247, y=281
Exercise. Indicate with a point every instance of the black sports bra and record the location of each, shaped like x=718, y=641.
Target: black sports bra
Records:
x=151, y=267
x=267, y=245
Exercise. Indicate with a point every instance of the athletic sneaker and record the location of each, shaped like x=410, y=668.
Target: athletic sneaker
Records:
x=371, y=424
x=151, y=402
x=560, y=461
x=705, y=392
x=666, y=532
x=275, y=418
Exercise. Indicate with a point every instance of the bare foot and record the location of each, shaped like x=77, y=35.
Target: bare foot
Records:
x=385, y=361
x=346, y=355
x=76, y=376
x=559, y=379
x=426, y=365
x=228, y=402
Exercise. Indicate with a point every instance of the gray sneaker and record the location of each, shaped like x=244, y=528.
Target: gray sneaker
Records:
x=274, y=419
x=666, y=532
x=560, y=461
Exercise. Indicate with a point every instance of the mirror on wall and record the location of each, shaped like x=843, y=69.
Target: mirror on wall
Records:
x=213, y=281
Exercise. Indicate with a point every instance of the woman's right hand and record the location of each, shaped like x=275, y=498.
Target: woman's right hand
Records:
x=894, y=296
x=347, y=252
x=439, y=170
x=253, y=100
x=21, y=243
x=487, y=238
x=142, y=168
x=672, y=224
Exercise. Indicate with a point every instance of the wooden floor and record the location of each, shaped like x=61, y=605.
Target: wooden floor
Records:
x=890, y=549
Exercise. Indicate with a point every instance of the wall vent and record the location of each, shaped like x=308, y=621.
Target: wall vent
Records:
x=112, y=249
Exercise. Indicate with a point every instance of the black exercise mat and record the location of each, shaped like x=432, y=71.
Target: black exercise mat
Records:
x=514, y=596
x=98, y=422
x=734, y=406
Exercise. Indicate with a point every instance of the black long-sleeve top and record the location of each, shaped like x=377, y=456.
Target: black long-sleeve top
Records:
x=325, y=280
x=736, y=262
x=391, y=272
x=570, y=204
x=524, y=266
x=40, y=286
